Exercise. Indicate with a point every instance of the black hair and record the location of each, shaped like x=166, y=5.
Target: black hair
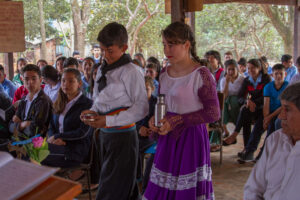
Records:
x=278, y=67
x=216, y=55
x=242, y=61
x=179, y=32
x=156, y=62
x=151, y=66
x=20, y=60
x=298, y=61
x=70, y=61
x=96, y=46
x=62, y=58
x=2, y=68
x=203, y=62
x=75, y=53
x=231, y=62
x=50, y=72
x=92, y=81
x=32, y=67
x=256, y=63
x=89, y=58
x=113, y=33
x=41, y=60
x=264, y=59
x=286, y=58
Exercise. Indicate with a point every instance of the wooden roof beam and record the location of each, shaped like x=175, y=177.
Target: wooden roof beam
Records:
x=274, y=2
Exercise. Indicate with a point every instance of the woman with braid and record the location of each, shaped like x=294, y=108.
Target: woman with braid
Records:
x=181, y=168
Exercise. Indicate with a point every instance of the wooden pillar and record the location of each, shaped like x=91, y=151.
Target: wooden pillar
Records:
x=297, y=31
x=9, y=63
x=177, y=12
x=190, y=20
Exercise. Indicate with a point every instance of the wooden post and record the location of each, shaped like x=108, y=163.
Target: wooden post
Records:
x=190, y=20
x=297, y=30
x=177, y=12
x=9, y=64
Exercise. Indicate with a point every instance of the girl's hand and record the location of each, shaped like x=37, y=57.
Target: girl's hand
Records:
x=165, y=128
x=152, y=127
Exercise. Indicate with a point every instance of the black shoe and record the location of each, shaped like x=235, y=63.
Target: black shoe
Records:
x=247, y=157
x=241, y=153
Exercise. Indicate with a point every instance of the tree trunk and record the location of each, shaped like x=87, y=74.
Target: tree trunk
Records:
x=283, y=24
x=43, y=31
x=80, y=15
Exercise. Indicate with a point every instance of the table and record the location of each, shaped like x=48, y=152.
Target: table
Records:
x=54, y=188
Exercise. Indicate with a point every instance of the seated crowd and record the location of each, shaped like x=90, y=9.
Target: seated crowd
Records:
x=54, y=100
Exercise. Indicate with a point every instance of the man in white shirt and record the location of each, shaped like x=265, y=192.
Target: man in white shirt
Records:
x=276, y=175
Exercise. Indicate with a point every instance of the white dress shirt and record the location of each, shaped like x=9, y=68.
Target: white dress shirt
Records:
x=52, y=92
x=63, y=114
x=276, y=176
x=28, y=103
x=125, y=88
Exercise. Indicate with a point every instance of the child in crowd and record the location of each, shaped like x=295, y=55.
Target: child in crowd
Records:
x=68, y=137
x=272, y=104
x=291, y=70
x=155, y=61
x=251, y=97
x=216, y=66
x=140, y=57
x=272, y=91
x=41, y=63
x=52, y=82
x=8, y=86
x=151, y=71
x=143, y=129
x=120, y=101
x=71, y=63
x=35, y=109
x=228, y=55
x=296, y=78
x=265, y=65
x=96, y=54
x=181, y=168
x=230, y=86
x=242, y=67
x=59, y=64
x=18, y=80
x=87, y=64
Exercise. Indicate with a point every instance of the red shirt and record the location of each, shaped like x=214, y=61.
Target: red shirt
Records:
x=21, y=92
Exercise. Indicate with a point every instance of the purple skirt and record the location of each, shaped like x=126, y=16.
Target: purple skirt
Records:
x=181, y=168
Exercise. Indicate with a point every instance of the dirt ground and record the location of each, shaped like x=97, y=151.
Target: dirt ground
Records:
x=228, y=179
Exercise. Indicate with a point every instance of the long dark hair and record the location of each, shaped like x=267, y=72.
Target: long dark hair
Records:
x=257, y=63
x=179, y=33
x=62, y=99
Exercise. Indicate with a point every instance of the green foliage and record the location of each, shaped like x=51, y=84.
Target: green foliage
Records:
x=240, y=28
x=53, y=9
x=149, y=40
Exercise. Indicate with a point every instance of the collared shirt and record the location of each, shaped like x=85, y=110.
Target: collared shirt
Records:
x=276, y=175
x=220, y=78
x=233, y=88
x=290, y=72
x=125, y=88
x=52, y=92
x=255, y=83
x=9, y=88
x=28, y=103
x=63, y=114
